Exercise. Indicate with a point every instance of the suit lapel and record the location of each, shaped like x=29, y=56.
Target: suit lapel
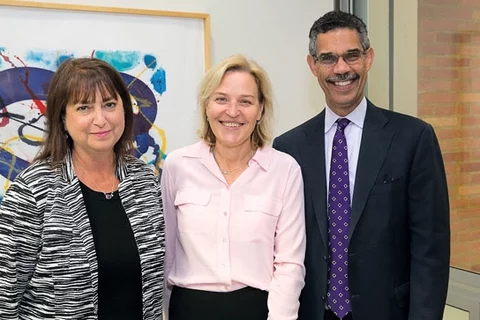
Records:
x=374, y=146
x=313, y=156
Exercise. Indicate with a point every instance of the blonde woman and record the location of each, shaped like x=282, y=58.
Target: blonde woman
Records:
x=234, y=207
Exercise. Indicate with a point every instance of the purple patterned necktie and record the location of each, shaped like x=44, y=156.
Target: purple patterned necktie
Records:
x=338, y=295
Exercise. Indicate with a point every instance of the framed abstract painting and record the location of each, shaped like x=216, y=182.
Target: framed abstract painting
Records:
x=161, y=55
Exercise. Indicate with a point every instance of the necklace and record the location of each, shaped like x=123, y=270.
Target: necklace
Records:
x=108, y=195
x=227, y=172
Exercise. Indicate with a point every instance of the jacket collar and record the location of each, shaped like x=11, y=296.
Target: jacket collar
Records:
x=68, y=171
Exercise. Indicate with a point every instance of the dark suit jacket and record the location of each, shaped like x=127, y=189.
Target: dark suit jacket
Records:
x=399, y=246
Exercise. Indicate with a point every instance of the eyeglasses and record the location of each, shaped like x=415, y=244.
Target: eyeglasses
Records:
x=330, y=60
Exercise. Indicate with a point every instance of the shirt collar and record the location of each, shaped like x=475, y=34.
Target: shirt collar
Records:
x=357, y=116
x=263, y=157
x=202, y=151
x=197, y=150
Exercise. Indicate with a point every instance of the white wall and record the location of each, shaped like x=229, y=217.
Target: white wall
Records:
x=272, y=32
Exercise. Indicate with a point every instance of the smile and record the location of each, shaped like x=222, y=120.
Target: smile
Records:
x=343, y=83
x=231, y=124
x=101, y=134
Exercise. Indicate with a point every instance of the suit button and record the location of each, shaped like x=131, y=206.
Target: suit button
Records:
x=323, y=297
x=325, y=258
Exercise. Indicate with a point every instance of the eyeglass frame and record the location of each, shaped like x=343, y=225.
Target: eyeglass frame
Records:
x=337, y=57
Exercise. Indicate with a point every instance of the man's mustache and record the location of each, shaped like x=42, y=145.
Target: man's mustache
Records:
x=343, y=77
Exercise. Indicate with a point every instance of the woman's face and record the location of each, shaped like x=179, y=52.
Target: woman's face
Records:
x=234, y=109
x=95, y=127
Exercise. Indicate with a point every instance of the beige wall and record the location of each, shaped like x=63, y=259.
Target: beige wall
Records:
x=452, y=313
x=405, y=55
x=377, y=25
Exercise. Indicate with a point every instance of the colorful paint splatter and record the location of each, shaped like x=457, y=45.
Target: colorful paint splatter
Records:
x=24, y=80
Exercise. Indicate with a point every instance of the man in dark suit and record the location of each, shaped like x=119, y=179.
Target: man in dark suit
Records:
x=376, y=200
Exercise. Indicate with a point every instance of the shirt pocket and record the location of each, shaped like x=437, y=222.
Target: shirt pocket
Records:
x=193, y=212
x=260, y=217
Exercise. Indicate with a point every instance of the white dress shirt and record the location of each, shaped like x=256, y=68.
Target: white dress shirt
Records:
x=353, y=134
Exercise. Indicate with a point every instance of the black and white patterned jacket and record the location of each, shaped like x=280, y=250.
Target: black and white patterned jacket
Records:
x=48, y=266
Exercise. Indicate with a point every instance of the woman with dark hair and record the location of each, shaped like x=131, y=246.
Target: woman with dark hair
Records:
x=81, y=229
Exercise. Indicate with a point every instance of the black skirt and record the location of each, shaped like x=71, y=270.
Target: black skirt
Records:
x=247, y=303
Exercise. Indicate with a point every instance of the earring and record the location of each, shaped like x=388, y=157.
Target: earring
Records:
x=258, y=122
x=66, y=135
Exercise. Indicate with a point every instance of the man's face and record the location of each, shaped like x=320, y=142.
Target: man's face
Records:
x=343, y=82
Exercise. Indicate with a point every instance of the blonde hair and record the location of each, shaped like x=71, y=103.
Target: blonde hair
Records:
x=261, y=135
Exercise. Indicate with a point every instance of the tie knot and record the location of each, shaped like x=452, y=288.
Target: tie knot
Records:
x=342, y=123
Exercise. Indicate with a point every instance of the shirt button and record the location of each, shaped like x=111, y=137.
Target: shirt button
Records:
x=225, y=213
x=224, y=240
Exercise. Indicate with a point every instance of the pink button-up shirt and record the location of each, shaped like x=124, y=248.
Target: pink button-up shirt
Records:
x=222, y=237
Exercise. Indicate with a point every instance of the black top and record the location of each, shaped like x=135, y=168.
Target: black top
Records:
x=119, y=272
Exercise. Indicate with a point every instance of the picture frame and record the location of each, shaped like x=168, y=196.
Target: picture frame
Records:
x=166, y=52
